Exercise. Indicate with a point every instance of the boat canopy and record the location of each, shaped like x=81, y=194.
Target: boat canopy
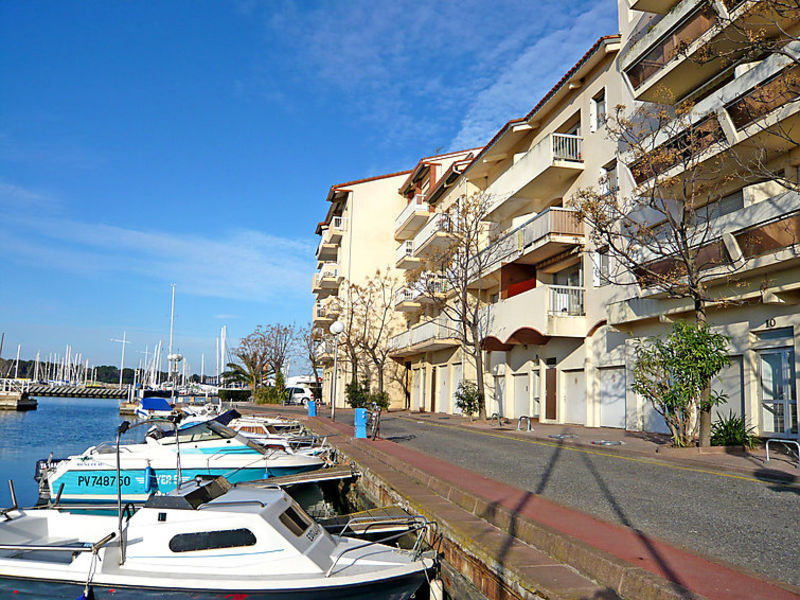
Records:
x=155, y=404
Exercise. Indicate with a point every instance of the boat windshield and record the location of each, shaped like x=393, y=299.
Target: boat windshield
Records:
x=211, y=430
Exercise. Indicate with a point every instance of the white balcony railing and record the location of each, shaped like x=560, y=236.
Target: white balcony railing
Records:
x=329, y=270
x=416, y=204
x=339, y=223
x=552, y=221
x=434, y=329
x=439, y=222
x=431, y=286
x=567, y=147
x=404, y=250
x=567, y=300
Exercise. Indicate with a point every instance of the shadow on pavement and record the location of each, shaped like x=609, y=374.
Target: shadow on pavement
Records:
x=669, y=573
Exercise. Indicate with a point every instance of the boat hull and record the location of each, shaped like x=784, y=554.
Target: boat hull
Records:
x=100, y=485
x=397, y=588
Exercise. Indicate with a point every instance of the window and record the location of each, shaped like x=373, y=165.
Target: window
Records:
x=212, y=540
x=601, y=267
x=295, y=520
x=599, y=110
x=608, y=178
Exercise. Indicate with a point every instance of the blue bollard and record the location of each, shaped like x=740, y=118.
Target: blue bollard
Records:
x=360, y=422
x=312, y=408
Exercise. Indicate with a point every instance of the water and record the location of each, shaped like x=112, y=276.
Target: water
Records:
x=63, y=426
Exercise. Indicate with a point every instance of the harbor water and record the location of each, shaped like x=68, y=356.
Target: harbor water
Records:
x=63, y=426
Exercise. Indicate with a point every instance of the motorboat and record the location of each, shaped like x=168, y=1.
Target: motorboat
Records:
x=204, y=448
x=206, y=540
x=153, y=406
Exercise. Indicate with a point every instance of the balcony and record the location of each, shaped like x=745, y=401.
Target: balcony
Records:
x=433, y=236
x=689, y=47
x=412, y=217
x=410, y=298
x=758, y=107
x=324, y=352
x=327, y=251
x=404, y=256
x=543, y=172
x=336, y=228
x=320, y=316
x=326, y=280
x=550, y=232
x=538, y=314
x=436, y=334
x=661, y=7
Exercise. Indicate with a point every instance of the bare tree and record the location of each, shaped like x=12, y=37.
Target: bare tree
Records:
x=252, y=354
x=661, y=235
x=278, y=341
x=447, y=277
x=310, y=339
x=375, y=320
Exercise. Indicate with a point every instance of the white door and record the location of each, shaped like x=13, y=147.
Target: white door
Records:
x=458, y=377
x=499, y=394
x=778, y=396
x=612, y=397
x=522, y=395
x=575, y=396
x=536, y=388
x=417, y=393
x=443, y=400
x=422, y=388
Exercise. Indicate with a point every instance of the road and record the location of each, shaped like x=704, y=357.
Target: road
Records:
x=737, y=519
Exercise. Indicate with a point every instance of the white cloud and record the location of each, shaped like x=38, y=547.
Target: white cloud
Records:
x=523, y=81
x=236, y=264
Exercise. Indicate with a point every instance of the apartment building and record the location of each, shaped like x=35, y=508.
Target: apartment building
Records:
x=751, y=104
x=558, y=343
x=541, y=304
x=356, y=241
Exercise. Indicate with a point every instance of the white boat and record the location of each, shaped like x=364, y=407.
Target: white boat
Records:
x=205, y=448
x=206, y=540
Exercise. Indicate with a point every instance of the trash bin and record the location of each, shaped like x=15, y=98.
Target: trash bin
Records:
x=312, y=408
x=360, y=423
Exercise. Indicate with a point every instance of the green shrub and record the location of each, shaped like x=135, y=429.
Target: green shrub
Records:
x=379, y=398
x=266, y=395
x=732, y=431
x=234, y=395
x=468, y=398
x=357, y=394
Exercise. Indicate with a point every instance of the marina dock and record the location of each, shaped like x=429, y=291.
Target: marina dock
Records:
x=16, y=395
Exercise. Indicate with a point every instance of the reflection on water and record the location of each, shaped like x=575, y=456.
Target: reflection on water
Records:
x=63, y=426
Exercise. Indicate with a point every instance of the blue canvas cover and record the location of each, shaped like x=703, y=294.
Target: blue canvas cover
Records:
x=155, y=404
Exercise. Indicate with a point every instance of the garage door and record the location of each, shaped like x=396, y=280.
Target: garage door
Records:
x=612, y=397
x=575, y=396
x=522, y=395
x=443, y=405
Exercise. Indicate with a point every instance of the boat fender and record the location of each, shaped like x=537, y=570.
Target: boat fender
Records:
x=150, y=480
x=88, y=594
x=437, y=589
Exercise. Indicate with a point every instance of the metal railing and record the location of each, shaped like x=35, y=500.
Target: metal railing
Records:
x=554, y=220
x=14, y=385
x=339, y=223
x=566, y=300
x=439, y=222
x=404, y=294
x=417, y=203
x=329, y=270
x=567, y=147
x=404, y=250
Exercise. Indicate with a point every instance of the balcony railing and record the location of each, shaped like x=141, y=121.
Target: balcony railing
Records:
x=566, y=300
x=439, y=328
x=416, y=204
x=339, y=223
x=438, y=223
x=405, y=294
x=426, y=288
x=671, y=45
x=552, y=221
x=567, y=146
x=329, y=270
x=404, y=250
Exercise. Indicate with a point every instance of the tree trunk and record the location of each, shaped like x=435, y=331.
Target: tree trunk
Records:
x=705, y=395
x=477, y=353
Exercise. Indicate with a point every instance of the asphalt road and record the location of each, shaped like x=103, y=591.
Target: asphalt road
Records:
x=751, y=524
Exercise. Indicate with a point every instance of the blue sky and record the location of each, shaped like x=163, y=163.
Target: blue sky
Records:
x=144, y=143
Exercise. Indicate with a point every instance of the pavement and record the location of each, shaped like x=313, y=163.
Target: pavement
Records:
x=721, y=525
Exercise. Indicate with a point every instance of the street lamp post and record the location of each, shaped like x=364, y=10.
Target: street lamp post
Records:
x=336, y=328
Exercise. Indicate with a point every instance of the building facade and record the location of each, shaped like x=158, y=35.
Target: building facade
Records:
x=559, y=338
